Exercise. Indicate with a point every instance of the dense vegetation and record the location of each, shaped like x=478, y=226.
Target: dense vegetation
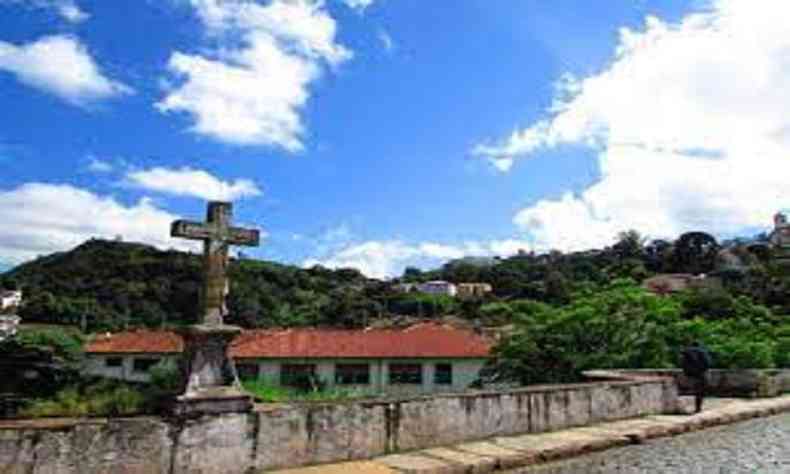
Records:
x=623, y=325
x=104, y=285
x=560, y=313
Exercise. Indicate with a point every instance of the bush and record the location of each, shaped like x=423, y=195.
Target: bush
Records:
x=165, y=377
x=64, y=345
x=104, y=398
x=270, y=392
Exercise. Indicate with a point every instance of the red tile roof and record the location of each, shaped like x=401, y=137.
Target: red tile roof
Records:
x=137, y=342
x=426, y=340
x=419, y=341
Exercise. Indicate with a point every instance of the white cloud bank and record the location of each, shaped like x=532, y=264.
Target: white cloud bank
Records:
x=66, y=9
x=691, y=124
x=192, y=182
x=40, y=218
x=388, y=258
x=62, y=66
x=253, y=93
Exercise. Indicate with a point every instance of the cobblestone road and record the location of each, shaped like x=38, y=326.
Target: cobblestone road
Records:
x=760, y=446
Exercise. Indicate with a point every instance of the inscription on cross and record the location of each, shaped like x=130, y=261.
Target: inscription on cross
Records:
x=217, y=235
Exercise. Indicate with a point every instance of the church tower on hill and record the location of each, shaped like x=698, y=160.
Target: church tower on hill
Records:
x=780, y=238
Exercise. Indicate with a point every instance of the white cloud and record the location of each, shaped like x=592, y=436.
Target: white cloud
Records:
x=388, y=258
x=67, y=9
x=62, y=66
x=253, y=94
x=690, y=124
x=99, y=166
x=192, y=182
x=386, y=40
x=40, y=218
x=358, y=5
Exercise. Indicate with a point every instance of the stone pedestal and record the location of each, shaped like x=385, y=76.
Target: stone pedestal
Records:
x=210, y=382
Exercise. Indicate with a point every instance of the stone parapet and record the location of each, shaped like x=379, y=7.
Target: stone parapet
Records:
x=289, y=435
x=747, y=383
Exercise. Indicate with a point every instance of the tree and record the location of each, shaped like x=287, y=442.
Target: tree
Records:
x=630, y=244
x=695, y=252
x=657, y=255
x=619, y=327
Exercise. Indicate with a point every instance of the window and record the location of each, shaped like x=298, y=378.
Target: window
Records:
x=443, y=374
x=113, y=362
x=405, y=374
x=352, y=374
x=142, y=365
x=247, y=371
x=297, y=375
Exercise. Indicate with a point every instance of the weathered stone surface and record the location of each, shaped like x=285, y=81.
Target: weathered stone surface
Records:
x=416, y=464
x=753, y=383
x=549, y=446
x=206, y=365
x=281, y=436
x=213, y=444
x=133, y=445
x=505, y=458
x=306, y=434
x=472, y=463
x=358, y=467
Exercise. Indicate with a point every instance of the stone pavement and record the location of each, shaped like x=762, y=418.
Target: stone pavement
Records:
x=522, y=453
x=757, y=446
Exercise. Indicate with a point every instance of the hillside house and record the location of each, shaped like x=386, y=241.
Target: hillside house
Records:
x=424, y=358
x=9, y=325
x=10, y=299
x=130, y=355
x=438, y=287
x=473, y=290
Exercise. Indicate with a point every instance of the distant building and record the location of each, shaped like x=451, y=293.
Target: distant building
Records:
x=405, y=287
x=8, y=326
x=423, y=358
x=474, y=261
x=10, y=299
x=780, y=237
x=674, y=282
x=438, y=287
x=474, y=290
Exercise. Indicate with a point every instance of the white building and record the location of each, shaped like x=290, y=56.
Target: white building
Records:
x=8, y=326
x=10, y=299
x=130, y=355
x=438, y=287
x=421, y=359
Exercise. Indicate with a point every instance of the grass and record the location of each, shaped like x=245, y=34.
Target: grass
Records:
x=269, y=392
x=105, y=398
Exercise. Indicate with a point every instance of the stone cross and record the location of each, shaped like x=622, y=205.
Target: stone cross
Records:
x=217, y=235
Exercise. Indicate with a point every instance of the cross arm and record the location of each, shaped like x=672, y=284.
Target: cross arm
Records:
x=192, y=230
x=200, y=231
x=244, y=237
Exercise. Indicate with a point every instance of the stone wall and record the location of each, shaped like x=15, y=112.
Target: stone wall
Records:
x=276, y=436
x=750, y=383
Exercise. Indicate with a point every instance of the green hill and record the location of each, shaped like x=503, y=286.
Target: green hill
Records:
x=103, y=285
x=108, y=285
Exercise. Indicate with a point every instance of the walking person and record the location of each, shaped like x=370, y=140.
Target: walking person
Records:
x=695, y=361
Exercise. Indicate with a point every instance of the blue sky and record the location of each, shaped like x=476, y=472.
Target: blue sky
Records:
x=383, y=133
